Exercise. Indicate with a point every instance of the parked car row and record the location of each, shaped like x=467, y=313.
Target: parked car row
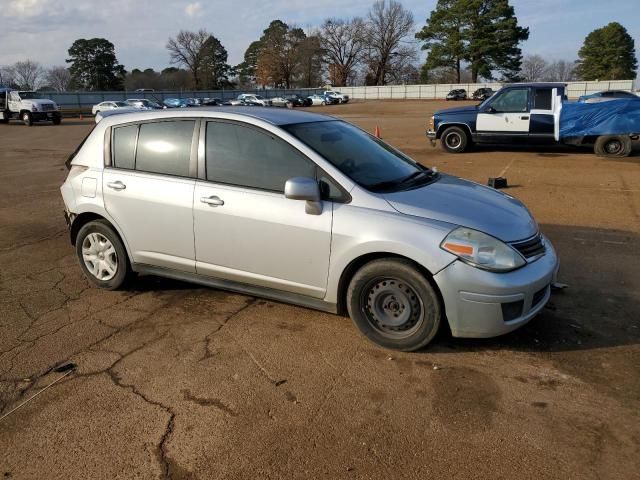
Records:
x=480, y=94
x=328, y=97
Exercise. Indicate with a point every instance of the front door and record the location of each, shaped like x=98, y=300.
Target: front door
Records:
x=148, y=191
x=505, y=117
x=245, y=228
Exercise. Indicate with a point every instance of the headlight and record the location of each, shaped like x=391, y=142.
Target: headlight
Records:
x=34, y=108
x=432, y=124
x=482, y=251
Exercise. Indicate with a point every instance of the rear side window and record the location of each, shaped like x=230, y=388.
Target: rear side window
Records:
x=244, y=156
x=162, y=147
x=542, y=100
x=165, y=147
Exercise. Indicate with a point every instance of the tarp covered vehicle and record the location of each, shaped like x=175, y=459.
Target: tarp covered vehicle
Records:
x=539, y=113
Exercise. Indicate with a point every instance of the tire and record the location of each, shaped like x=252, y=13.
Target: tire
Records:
x=27, y=119
x=57, y=120
x=6, y=117
x=454, y=140
x=105, y=254
x=394, y=305
x=613, y=146
x=324, y=104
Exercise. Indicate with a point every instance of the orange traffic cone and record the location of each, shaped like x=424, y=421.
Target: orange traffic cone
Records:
x=376, y=133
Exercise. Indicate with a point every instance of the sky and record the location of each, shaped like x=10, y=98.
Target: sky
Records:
x=43, y=30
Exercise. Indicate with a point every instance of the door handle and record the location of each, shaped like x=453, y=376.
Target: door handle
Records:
x=212, y=201
x=118, y=185
x=525, y=117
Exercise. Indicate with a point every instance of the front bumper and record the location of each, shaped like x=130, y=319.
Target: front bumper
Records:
x=431, y=135
x=475, y=299
x=42, y=116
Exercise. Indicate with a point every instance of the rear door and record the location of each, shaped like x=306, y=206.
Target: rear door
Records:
x=245, y=229
x=148, y=190
x=506, y=116
x=543, y=120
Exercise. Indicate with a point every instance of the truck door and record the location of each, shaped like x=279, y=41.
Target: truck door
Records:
x=543, y=106
x=14, y=101
x=505, y=117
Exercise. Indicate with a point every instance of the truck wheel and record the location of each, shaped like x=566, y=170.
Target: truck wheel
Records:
x=454, y=140
x=394, y=305
x=613, y=146
x=27, y=119
x=57, y=120
x=5, y=116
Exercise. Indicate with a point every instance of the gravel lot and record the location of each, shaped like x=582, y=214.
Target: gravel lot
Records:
x=182, y=382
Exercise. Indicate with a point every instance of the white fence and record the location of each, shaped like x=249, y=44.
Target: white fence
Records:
x=433, y=92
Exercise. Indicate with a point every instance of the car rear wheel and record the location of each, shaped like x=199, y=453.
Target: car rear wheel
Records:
x=323, y=103
x=454, y=140
x=394, y=305
x=102, y=255
x=613, y=146
x=27, y=119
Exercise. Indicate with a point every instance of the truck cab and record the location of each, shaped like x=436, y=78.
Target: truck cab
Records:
x=27, y=107
x=517, y=113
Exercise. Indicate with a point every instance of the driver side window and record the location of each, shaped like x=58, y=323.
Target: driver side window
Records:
x=515, y=100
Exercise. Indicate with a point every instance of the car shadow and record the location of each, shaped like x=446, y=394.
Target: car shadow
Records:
x=550, y=151
x=600, y=307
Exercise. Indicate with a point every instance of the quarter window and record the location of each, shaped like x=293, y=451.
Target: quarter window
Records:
x=512, y=101
x=542, y=100
x=124, y=146
x=244, y=156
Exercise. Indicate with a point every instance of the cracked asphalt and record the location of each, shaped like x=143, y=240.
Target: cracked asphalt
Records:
x=175, y=381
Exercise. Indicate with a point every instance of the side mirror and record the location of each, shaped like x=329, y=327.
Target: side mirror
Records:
x=489, y=110
x=304, y=188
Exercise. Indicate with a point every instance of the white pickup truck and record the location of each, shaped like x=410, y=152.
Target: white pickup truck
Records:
x=27, y=107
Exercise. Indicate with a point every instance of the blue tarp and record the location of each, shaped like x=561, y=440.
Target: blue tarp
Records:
x=616, y=117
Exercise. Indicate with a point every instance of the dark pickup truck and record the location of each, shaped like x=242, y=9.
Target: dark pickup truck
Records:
x=534, y=113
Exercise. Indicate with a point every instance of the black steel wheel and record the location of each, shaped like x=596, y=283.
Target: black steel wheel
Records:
x=394, y=305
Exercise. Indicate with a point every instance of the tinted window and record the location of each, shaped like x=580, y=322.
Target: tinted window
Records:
x=165, y=147
x=124, y=146
x=512, y=100
x=542, y=100
x=368, y=161
x=247, y=157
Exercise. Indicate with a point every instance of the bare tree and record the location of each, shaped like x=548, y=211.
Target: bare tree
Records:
x=343, y=43
x=6, y=76
x=58, y=78
x=187, y=50
x=28, y=74
x=561, y=71
x=389, y=23
x=534, y=68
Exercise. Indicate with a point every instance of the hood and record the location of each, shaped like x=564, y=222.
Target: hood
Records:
x=38, y=101
x=468, y=108
x=467, y=204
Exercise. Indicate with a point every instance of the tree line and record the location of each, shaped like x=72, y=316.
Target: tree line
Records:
x=464, y=40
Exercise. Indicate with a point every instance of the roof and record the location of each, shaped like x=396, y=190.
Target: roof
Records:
x=537, y=84
x=273, y=115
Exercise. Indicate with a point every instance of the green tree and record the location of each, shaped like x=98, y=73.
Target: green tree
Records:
x=483, y=33
x=94, y=65
x=280, y=55
x=214, y=67
x=608, y=53
x=248, y=68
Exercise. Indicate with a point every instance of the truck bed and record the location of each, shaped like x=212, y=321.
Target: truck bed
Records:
x=617, y=117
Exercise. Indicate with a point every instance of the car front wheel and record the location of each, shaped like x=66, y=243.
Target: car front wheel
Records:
x=102, y=255
x=394, y=305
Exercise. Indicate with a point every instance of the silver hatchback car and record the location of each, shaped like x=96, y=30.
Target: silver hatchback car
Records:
x=307, y=209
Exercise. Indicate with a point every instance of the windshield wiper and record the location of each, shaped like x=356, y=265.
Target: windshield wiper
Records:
x=396, y=184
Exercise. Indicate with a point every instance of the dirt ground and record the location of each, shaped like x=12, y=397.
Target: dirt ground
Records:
x=182, y=382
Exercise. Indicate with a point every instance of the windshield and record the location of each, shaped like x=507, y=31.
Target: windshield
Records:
x=365, y=159
x=121, y=104
x=28, y=95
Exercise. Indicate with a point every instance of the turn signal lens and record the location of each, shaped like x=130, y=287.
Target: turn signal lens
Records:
x=482, y=251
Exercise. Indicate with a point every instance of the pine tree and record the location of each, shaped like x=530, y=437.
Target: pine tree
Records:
x=608, y=53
